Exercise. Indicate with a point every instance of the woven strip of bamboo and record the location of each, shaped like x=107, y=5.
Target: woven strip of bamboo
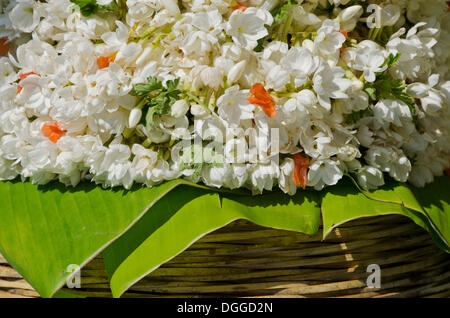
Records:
x=245, y=260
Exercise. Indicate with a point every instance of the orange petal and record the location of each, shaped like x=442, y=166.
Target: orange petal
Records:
x=240, y=7
x=104, y=61
x=259, y=102
x=23, y=76
x=300, y=170
x=269, y=111
x=260, y=92
x=345, y=33
x=53, y=131
x=4, y=47
x=268, y=107
x=262, y=98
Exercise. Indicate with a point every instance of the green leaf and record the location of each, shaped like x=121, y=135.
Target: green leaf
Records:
x=149, y=118
x=87, y=7
x=172, y=84
x=280, y=12
x=427, y=207
x=145, y=88
x=90, y=7
x=44, y=229
x=434, y=200
x=391, y=60
x=187, y=214
x=386, y=87
x=371, y=92
x=355, y=116
x=155, y=98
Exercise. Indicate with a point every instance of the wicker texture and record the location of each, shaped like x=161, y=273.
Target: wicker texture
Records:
x=245, y=260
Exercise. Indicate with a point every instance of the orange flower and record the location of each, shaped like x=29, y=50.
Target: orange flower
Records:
x=263, y=99
x=23, y=76
x=239, y=7
x=300, y=170
x=53, y=131
x=345, y=33
x=104, y=61
x=4, y=47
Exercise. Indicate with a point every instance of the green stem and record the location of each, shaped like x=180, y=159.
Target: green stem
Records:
x=192, y=97
x=123, y=9
x=208, y=96
x=140, y=103
x=147, y=143
x=287, y=26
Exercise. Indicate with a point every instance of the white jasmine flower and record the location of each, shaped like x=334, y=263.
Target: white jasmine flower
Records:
x=370, y=178
x=329, y=82
x=117, y=43
x=25, y=16
x=392, y=111
x=300, y=63
x=275, y=51
x=390, y=160
x=286, y=181
x=246, y=28
x=370, y=62
x=179, y=108
x=236, y=72
x=171, y=6
x=234, y=107
x=329, y=40
x=430, y=98
x=324, y=172
x=277, y=78
x=262, y=176
x=117, y=166
x=215, y=176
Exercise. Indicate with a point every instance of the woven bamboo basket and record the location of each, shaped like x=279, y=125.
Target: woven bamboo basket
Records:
x=245, y=260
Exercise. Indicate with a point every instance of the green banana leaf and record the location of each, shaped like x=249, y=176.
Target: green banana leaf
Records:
x=186, y=214
x=427, y=207
x=45, y=229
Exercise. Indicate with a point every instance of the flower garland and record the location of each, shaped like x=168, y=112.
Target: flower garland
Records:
x=143, y=91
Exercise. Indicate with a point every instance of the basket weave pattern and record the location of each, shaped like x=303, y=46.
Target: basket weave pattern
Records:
x=245, y=260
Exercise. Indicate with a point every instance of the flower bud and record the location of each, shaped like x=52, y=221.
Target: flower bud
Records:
x=370, y=178
x=135, y=117
x=158, y=137
x=350, y=13
x=349, y=17
x=171, y=6
x=390, y=14
x=198, y=110
x=211, y=77
x=179, y=108
x=144, y=56
x=236, y=72
x=308, y=44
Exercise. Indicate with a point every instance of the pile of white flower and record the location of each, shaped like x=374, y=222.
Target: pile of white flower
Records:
x=106, y=90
